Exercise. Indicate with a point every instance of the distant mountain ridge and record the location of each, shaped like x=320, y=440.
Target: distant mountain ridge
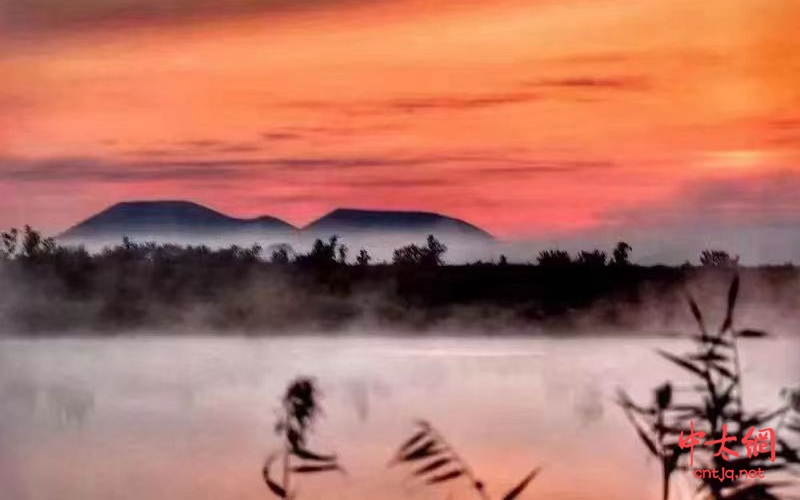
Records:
x=347, y=220
x=168, y=217
x=178, y=219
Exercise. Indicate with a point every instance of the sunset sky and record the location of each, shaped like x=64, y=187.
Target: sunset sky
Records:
x=529, y=118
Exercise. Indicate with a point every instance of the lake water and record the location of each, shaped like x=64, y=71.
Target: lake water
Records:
x=179, y=418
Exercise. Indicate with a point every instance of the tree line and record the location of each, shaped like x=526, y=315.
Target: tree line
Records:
x=30, y=244
x=47, y=286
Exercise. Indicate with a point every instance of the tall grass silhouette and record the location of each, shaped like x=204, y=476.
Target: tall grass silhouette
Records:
x=715, y=407
x=300, y=408
x=437, y=462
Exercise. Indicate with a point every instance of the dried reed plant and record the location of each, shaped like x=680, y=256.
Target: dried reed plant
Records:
x=439, y=462
x=716, y=409
x=300, y=408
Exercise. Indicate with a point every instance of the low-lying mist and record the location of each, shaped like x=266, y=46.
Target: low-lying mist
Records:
x=48, y=288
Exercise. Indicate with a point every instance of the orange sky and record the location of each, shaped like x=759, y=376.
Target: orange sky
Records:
x=524, y=117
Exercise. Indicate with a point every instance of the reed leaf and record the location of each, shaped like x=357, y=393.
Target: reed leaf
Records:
x=733, y=293
x=625, y=401
x=710, y=355
x=435, y=465
x=447, y=476
x=755, y=491
x=648, y=441
x=725, y=397
x=310, y=455
x=752, y=334
x=698, y=316
x=723, y=370
x=311, y=469
x=683, y=363
x=274, y=487
x=519, y=488
x=416, y=438
x=426, y=449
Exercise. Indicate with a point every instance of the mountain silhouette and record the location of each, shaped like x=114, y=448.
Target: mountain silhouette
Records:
x=163, y=219
x=348, y=220
x=186, y=221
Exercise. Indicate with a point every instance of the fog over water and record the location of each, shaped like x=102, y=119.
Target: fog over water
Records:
x=179, y=418
x=754, y=246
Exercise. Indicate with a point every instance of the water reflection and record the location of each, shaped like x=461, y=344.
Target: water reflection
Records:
x=191, y=418
x=69, y=404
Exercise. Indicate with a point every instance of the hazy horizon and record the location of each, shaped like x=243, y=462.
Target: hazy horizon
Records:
x=671, y=245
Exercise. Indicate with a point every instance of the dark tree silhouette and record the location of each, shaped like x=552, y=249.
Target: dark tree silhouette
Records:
x=429, y=255
x=34, y=245
x=554, y=258
x=323, y=254
x=281, y=255
x=363, y=258
x=342, y=254
x=594, y=258
x=718, y=258
x=10, y=241
x=621, y=254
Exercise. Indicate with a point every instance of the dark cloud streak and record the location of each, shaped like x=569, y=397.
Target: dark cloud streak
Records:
x=430, y=103
x=627, y=83
x=461, y=102
x=26, y=17
x=90, y=169
x=546, y=89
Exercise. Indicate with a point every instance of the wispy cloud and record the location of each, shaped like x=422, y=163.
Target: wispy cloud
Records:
x=519, y=94
x=316, y=132
x=628, y=83
x=756, y=199
x=461, y=102
x=425, y=103
x=197, y=147
x=400, y=183
x=792, y=124
x=43, y=16
x=159, y=168
x=80, y=169
x=784, y=132
x=281, y=136
x=261, y=144
x=513, y=167
x=76, y=169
